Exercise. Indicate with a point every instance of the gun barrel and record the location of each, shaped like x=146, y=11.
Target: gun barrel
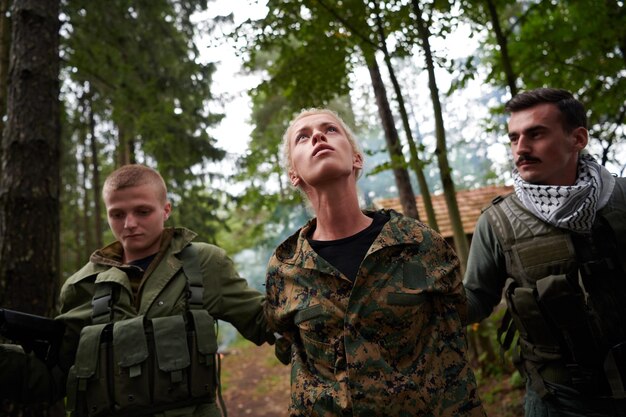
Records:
x=40, y=334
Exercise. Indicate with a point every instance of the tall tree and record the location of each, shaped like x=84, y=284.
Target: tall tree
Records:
x=146, y=95
x=415, y=161
x=503, y=44
x=29, y=185
x=460, y=239
x=307, y=75
x=576, y=45
x=5, y=46
x=405, y=191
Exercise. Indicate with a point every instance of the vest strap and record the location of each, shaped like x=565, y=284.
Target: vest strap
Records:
x=191, y=267
x=101, y=303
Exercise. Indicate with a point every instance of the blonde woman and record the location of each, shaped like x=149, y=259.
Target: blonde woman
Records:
x=370, y=301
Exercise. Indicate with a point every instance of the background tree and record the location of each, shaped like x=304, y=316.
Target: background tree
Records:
x=461, y=244
x=416, y=163
x=306, y=76
x=576, y=45
x=137, y=91
x=29, y=184
x=5, y=46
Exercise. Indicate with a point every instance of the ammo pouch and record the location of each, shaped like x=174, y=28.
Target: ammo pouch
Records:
x=561, y=340
x=143, y=366
x=615, y=370
x=565, y=306
x=537, y=337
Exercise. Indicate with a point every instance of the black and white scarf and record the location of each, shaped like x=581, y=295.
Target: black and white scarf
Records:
x=571, y=207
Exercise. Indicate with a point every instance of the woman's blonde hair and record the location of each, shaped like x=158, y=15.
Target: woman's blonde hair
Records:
x=311, y=112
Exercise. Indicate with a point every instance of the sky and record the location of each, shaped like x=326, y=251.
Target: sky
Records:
x=231, y=85
x=229, y=82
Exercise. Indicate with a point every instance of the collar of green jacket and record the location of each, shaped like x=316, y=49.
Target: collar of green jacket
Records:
x=174, y=239
x=399, y=230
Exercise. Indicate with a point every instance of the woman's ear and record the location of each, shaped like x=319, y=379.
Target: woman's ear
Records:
x=357, y=161
x=294, y=178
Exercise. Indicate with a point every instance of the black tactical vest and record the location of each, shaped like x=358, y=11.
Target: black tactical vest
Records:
x=566, y=296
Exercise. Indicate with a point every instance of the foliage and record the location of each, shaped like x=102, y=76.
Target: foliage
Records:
x=308, y=50
x=307, y=64
x=488, y=329
x=576, y=45
x=136, y=91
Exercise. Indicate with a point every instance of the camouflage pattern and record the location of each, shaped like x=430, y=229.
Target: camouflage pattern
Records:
x=392, y=344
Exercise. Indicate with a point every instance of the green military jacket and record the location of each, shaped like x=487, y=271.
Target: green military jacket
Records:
x=226, y=296
x=391, y=343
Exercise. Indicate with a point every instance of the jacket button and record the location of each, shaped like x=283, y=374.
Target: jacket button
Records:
x=160, y=303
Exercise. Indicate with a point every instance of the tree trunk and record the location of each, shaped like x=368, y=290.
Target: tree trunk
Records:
x=416, y=163
x=84, y=181
x=95, y=165
x=511, y=78
x=398, y=164
x=460, y=239
x=29, y=185
x=5, y=46
x=30, y=179
x=79, y=258
x=125, y=153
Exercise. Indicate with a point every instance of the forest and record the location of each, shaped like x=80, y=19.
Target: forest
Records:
x=88, y=86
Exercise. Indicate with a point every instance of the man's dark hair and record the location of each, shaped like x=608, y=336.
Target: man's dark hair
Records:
x=573, y=111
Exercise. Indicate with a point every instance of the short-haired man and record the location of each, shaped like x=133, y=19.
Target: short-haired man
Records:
x=139, y=317
x=557, y=246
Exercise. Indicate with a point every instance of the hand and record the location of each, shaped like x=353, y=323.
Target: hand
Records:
x=282, y=349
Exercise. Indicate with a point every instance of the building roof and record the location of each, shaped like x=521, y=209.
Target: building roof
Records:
x=470, y=202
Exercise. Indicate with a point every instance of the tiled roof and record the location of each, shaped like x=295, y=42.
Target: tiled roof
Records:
x=470, y=202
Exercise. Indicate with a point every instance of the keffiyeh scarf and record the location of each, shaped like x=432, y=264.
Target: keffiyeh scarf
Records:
x=571, y=207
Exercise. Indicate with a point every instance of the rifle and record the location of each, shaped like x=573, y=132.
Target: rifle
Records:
x=38, y=334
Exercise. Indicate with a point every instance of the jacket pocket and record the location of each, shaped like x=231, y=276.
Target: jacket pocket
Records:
x=87, y=382
x=203, y=348
x=172, y=358
x=405, y=299
x=131, y=382
x=317, y=341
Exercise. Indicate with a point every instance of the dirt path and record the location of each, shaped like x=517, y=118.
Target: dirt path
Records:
x=255, y=384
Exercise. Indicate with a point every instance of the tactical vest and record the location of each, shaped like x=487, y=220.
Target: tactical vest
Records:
x=566, y=297
x=142, y=366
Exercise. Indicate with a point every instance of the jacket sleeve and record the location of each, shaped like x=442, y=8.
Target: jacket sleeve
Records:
x=445, y=272
x=485, y=274
x=228, y=297
x=24, y=378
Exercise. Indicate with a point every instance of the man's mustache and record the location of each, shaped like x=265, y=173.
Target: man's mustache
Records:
x=523, y=158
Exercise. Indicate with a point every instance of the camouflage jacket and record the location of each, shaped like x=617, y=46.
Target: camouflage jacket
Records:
x=390, y=344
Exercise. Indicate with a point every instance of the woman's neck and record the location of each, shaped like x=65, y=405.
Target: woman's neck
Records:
x=338, y=213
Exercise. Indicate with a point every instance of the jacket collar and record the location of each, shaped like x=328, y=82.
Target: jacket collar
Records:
x=172, y=239
x=399, y=230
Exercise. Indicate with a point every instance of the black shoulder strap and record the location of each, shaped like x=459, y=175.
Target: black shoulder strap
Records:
x=612, y=219
x=191, y=267
x=500, y=223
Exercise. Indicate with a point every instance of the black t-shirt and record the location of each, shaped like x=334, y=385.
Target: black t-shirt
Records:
x=143, y=263
x=346, y=254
